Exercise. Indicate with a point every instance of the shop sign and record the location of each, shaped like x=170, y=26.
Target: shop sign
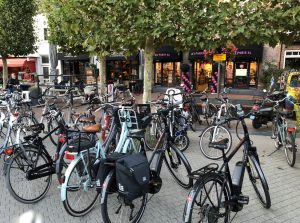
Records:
x=219, y=57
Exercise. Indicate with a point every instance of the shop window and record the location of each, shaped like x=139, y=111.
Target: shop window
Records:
x=229, y=74
x=45, y=59
x=202, y=72
x=253, y=74
x=292, y=63
x=158, y=73
x=177, y=73
x=45, y=34
x=46, y=72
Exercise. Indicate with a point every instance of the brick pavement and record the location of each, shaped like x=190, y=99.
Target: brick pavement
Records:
x=167, y=206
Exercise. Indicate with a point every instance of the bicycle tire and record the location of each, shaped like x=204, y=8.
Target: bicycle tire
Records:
x=52, y=124
x=255, y=174
x=208, y=135
x=31, y=185
x=173, y=165
x=152, y=135
x=209, y=113
x=182, y=142
x=85, y=183
x=110, y=194
x=208, y=209
x=290, y=149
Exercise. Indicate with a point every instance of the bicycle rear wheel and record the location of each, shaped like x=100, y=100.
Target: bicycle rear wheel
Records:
x=214, y=134
x=115, y=209
x=290, y=149
x=22, y=189
x=79, y=189
x=178, y=166
x=208, y=200
x=258, y=181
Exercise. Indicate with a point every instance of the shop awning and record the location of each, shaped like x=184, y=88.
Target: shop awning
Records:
x=14, y=62
x=167, y=53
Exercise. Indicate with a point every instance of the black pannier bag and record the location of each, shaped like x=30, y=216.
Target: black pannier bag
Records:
x=102, y=167
x=132, y=175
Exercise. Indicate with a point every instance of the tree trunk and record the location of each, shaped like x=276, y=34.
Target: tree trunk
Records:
x=102, y=74
x=5, y=71
x=148, y=74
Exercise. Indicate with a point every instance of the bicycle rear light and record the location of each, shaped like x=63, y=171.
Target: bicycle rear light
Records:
x=291, y=129
x=69, y=155
x=15, y=114
x=255, y=108
x=189, y=198
x=9, y=151
x=62, y=138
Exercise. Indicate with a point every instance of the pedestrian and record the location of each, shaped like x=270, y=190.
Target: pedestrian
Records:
x=12, y=82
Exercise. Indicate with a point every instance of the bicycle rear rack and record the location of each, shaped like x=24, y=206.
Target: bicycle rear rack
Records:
x=212, y=167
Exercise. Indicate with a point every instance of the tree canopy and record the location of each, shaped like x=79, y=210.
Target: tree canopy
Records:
x=17, y=37
x=130, y=25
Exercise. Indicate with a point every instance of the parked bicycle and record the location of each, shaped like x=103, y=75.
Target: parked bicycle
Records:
x=116, y=207
x=216, y=192
x=283, y=134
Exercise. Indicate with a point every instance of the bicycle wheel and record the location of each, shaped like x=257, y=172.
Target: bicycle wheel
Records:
x=79, y=189
x=152, y=134
x=209, y=113
x=195, y=117
x=258, y=181
x=214, y=134
x=113, y=207
x=52, y=124
x=290, y=149
x=22, y=189
x=182, y=142
x=178, y=166
x=207, y=200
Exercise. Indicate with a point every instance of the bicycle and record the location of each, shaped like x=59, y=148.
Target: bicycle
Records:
x=283, y=135
x=80, y=177
x=115, y=207
x=216, y=192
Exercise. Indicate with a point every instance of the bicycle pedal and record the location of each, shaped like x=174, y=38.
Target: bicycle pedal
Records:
x=273, y=137
x=243, y=199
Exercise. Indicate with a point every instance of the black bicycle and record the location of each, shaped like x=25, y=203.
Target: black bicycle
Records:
x=116, y=208
x=216, y=193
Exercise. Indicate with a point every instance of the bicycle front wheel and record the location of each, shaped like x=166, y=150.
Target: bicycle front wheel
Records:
x=290, y=149
x=208, y=200
x=214, y=134
x=115, y=209
x=259, y=182
x=19, y=186
x=79, y=188
x=178, y=166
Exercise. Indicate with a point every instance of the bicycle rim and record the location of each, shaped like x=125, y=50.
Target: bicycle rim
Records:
x=22, y=189
x=53, y=137
x=290, y=149
x=81, y=193
x=182, y=142
x=259, y=182
x=115, y=210
x=214, y=134
x=209, y=202
x=178, y=167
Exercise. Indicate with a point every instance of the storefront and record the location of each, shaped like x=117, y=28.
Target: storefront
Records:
x=121, y=70
x=241, y=69
x=25, y=68
x=73, y=66
x=167, y=63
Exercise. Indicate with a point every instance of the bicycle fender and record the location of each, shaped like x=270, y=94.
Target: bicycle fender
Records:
x=105, y=184
x=189, y=202
x=63, y=189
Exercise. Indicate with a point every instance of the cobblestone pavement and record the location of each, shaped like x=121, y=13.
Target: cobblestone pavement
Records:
x=168, y=204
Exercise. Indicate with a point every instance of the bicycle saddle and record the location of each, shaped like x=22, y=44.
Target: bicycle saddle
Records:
x=92, y=128
x=222, y=144
x=88, y=119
